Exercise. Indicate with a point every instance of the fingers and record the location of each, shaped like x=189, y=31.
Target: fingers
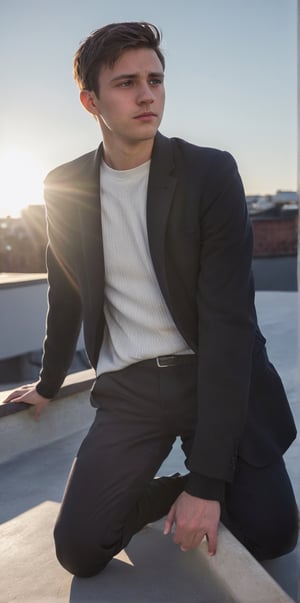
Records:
x=36, y=413
x=169, y=521
x=189, y=535
x=194, y=519
x=212, y=542
x=15, y=397
x=191, y=546
x=188, y=542
x=29, y=395
x=39, y=407
x=18, y=394
x=12, y=397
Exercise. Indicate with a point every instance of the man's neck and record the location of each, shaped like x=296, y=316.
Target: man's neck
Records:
x=127, y=157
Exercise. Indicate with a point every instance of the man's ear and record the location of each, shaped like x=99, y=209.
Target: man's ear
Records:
x=88, y=100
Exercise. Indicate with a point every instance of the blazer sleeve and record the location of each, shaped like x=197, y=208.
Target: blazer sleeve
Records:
x=226, y=329
x=64, y=303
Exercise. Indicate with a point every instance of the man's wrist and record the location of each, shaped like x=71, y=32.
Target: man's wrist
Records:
x=44, y=391
x=205, y=487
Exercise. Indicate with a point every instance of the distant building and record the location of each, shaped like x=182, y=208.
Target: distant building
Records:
x=275, y=224
x=23, y=241
x=286, y=198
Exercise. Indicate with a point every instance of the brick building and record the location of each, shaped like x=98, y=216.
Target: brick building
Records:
x=275, y=235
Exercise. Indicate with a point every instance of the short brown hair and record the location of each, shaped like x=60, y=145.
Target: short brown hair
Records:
x=105, y=45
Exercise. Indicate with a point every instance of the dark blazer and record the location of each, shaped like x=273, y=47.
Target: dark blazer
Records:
x=200, y=241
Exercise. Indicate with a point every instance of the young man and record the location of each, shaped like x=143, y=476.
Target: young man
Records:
x=150, y=245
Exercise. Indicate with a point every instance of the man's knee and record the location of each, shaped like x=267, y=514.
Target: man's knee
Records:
x=268, y=540
x=261, y=510
x=282, y=539
x=79, y=553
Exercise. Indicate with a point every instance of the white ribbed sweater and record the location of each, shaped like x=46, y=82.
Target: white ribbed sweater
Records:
x=138, y=322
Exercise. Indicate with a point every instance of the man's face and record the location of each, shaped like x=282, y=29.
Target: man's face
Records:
x=131, y=97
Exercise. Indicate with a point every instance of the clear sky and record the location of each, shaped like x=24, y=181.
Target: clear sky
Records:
x=231, y=68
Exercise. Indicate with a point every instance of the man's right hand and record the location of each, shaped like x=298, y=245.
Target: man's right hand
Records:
x=29, y=395
x=193, y=518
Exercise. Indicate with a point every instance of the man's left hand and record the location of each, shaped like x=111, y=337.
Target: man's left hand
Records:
x=194, y=518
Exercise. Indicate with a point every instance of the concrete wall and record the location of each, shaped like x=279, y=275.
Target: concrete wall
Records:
x=22, y=317
x=23, y=309
x=275, y=274
x=298, y=139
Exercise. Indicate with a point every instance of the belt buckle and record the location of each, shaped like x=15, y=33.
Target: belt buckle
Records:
x=163, y=361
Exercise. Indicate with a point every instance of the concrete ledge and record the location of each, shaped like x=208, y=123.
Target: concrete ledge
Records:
x=243, y=578
x=73, y=384
x=21, y=279
x=69, y=412
x=150, y=570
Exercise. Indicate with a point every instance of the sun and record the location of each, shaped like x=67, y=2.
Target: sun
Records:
x=21, y=179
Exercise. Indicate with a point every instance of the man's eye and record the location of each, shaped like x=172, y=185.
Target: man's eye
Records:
x=155, y=81
x=125, y=84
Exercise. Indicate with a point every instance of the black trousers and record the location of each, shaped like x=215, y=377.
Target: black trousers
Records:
x=111, y=494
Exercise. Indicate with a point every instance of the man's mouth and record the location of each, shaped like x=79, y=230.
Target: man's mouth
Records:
x=145, y=115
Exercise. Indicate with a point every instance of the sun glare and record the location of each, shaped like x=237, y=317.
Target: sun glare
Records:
x=21, y=179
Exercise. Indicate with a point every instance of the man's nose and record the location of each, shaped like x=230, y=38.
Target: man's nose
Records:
x=145, y=94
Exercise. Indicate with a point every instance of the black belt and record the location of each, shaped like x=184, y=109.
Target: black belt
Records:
x=164, y=361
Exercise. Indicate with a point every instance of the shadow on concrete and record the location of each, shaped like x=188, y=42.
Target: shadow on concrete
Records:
x=36, y=476
x=143, y=579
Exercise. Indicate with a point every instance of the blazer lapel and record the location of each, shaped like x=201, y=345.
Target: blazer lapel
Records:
x=92, y=272
x=90, y=218
x=161, y=189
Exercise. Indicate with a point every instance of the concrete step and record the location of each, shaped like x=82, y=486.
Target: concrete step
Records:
x=151, y=570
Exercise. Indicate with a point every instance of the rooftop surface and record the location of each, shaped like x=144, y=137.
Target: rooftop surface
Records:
x=151, y=568
x=17, y=278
